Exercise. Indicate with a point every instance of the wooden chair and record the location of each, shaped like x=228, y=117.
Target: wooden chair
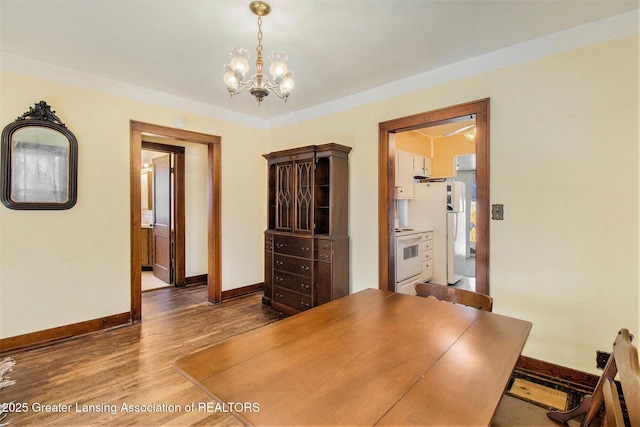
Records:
x=625, y=357
x=623, y=361
x=455, y=295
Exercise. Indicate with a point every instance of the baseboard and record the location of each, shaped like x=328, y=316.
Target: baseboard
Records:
x=232, y=293
x=573, y=378
x=61, y=332
x=196, y=280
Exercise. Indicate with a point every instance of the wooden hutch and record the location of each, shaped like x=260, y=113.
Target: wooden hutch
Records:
x=307, y=241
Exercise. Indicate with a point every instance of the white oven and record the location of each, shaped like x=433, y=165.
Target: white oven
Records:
x=409, y=255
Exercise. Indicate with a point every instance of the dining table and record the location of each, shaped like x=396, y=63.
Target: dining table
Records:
x=372, y=358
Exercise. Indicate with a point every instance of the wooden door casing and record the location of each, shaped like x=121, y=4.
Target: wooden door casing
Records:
x=386, y=186
x=214, y=198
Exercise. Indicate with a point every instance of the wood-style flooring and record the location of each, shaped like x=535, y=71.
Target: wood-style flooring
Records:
x=131, y=365
x=134, y=365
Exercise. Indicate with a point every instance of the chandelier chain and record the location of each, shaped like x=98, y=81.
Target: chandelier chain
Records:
x=259, y=47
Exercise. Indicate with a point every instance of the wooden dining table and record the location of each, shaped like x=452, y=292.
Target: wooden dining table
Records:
x=371, y=358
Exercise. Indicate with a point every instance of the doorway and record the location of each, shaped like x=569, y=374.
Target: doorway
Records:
x=163, y=214
x=386, y=186
x=437, y=192
x=214, y=275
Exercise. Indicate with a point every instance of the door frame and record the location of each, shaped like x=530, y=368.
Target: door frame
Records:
x=386, y=186
x=214, y=264
x=178, y=207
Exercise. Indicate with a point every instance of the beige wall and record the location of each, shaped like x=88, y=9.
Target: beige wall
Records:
x=196, y=178
x=564, y=162
x=63, y=267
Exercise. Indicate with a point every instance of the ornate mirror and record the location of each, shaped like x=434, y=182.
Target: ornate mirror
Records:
x=39, y=162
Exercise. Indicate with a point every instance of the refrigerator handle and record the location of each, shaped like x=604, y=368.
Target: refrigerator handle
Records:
x=454, y=218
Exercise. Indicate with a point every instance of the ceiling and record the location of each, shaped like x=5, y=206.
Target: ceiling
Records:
x=336, y=48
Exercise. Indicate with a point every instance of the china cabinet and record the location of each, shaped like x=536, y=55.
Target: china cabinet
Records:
x=307, y=241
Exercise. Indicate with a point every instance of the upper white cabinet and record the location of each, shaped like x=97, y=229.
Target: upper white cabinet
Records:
x=404, y=175
x=408, y=167
x=421, y=166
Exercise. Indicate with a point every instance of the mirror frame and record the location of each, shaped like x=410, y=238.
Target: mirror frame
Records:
x=38, y=116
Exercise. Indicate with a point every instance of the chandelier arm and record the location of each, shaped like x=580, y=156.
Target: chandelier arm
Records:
x=244, y=86
x=277, y=93
x=273, y=88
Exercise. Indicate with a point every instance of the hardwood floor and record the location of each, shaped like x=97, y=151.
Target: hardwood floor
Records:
x=131, y=365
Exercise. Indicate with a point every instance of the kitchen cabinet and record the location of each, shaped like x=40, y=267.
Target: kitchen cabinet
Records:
x=421, y=166
x=306, y=241
x=427, y=256
x=404, y=175
x=410, y=166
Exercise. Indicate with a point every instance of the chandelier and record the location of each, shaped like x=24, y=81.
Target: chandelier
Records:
x=281, y=80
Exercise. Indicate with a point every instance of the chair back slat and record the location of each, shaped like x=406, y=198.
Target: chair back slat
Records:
x=455, y=295
x=613, y=409
x=625, y=355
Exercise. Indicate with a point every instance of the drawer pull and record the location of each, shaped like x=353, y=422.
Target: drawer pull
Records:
x=304, y=268
x=279, y=279
x=279, y=245
x=304, y=249
x=278, y=262
x=304, y=304
x=304, y=286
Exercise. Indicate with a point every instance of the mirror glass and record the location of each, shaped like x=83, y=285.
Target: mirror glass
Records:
x=39, y=166
x=39, y=162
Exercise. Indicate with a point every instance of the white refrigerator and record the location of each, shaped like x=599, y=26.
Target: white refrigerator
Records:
x=441, y=205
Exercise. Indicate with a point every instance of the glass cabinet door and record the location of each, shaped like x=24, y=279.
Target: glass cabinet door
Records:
x=304, y=196
x=284, y=196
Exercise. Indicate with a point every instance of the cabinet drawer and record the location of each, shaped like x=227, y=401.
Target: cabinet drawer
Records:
x=292, y=265
x=428, y=235
x=324, y=245
x=292, y=282
x=427, y=270
x=295, y=246
x=427, y=255
x=324, y=250
x=427, y=245
x=324, y=256
x=291, y=299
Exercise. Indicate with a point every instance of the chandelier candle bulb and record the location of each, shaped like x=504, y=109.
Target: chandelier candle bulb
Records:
x=260, y=85
x=278, y=65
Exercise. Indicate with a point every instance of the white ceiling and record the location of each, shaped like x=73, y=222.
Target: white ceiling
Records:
x=336, y=48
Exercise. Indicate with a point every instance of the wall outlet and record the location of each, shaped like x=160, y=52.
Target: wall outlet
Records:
x=497, y=212
x=601, y=359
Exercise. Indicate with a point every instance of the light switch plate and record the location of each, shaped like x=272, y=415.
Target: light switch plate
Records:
x=497, y=212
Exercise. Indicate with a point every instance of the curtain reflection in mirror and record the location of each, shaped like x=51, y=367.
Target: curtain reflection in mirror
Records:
x=39, y=172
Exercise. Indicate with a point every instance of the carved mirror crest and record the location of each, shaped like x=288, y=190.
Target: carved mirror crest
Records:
x=39, y=162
